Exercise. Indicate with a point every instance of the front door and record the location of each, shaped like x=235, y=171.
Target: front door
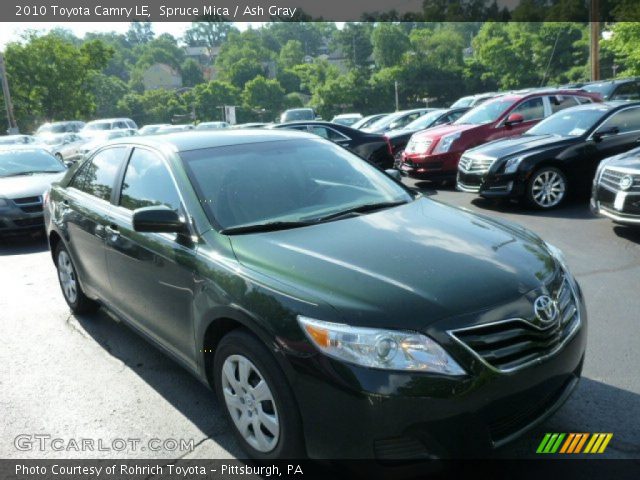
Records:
x=152, y=273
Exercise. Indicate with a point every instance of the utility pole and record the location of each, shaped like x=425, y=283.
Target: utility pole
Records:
x=594, y=48
x=397, y=104
x=13, y=126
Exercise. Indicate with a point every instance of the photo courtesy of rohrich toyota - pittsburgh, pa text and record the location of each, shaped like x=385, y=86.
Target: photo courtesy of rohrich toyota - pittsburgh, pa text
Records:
x=299, y=239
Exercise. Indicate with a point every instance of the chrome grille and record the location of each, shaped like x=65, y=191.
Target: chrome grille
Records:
x=515, y=343
x=610, y=178
x=475, y=165
x=29, y=204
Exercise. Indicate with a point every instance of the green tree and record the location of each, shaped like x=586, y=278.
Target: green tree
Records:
x=153, y=106
x=50, y=78
x=208, y=34
x=390, y=42
x=139, y=33
x=624, y=47
x=191, y=73
x=207, y=99
x=354, y=41
x=263, y=95
x=107, y=91
x=291, y=54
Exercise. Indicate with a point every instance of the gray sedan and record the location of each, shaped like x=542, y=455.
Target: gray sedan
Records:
x=26, y=172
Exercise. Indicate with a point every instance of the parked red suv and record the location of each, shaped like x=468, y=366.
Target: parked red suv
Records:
x=434, y=153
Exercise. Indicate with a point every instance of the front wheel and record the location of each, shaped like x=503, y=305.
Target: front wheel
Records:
x=547, y=188
x=256, y=397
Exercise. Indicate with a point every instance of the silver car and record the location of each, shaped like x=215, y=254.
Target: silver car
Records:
x=65, y=146
x=26, y=173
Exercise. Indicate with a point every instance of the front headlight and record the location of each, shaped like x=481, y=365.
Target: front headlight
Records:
x=377, y=348
x=512, y=164
x=445, y=143
x=558, y=255
x=420, y=146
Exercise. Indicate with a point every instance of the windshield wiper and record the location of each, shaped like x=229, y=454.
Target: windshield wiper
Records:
x=367, y=207
x=264, y=227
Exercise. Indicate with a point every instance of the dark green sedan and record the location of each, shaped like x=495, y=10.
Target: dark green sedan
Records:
x=336, y=313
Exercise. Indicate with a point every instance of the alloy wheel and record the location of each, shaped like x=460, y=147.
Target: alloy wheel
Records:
x=548, y=188
x=67, y=277
x=250, y=403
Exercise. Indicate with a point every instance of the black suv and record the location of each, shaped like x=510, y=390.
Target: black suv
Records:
x=616, y=188
x=336, y=313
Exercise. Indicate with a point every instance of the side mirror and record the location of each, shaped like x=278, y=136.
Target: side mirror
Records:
x=158, y=219
x=514, y=119
x=68, y=163
x=606, y=132
x=395, y=174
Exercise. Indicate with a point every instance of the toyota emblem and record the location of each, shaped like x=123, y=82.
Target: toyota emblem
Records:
x=546, y=309
x=626, y=182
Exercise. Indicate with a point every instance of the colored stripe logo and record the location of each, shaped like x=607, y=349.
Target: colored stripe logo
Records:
x=574, y=443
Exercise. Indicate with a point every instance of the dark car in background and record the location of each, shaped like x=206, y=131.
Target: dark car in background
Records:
x=370, y=146
x=297, y=114
x=619, y=89
x=557, y=156
x=399, y=138
x=336, y=313
x=434, y=153
x=26, y=173
x=616, y=188
x=368, y=120
x=396, y=120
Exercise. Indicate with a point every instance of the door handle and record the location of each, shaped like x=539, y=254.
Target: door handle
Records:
x=112, y=230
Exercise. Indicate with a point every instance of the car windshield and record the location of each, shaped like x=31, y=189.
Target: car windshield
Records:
x=25, y=162
x=386, y=121
x=568, y=123
x=462, y=102
x=98, y=126
x=488, y=112
x=424, y=121
x=285, y=181
x=303, y=114
x=604, y=89
x=53, y=128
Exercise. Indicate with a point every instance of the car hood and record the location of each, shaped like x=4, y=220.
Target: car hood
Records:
x=438, y=132
x=404, y=267
x=630, y=159
x=28, y=185
x=522, y=144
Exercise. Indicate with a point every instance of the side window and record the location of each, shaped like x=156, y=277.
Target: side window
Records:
x=532, y=109
x=583, y=100
x=627, y=91
x=328, y=133
x=320, y=131
x=80, y=178
x=560, y=102
x=627, y=120
x=147, y=182
x=101, y=171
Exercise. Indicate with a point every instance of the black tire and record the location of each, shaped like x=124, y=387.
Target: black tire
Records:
x=79, y=303
x=240, y=343
x=533, y=192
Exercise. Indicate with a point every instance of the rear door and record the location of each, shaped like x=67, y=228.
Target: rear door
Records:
x=86, y=215
x=152, y=273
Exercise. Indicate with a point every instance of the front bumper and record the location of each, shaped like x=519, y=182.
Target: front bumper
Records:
x=355, y=412
x=429, y=166
x=489, y=185
x=621, y=207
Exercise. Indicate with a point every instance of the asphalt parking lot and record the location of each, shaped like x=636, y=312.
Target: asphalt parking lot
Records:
x=91, y=377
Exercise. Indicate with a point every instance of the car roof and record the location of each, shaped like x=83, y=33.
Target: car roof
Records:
x=196, y=140
x=612, y=81
x=610, y=105
x=23, y=147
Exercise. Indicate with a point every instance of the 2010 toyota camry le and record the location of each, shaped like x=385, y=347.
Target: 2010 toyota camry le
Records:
x=336, y=313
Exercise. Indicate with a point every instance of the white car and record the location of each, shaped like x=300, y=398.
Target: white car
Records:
x=107, y=124
x=347, y=119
